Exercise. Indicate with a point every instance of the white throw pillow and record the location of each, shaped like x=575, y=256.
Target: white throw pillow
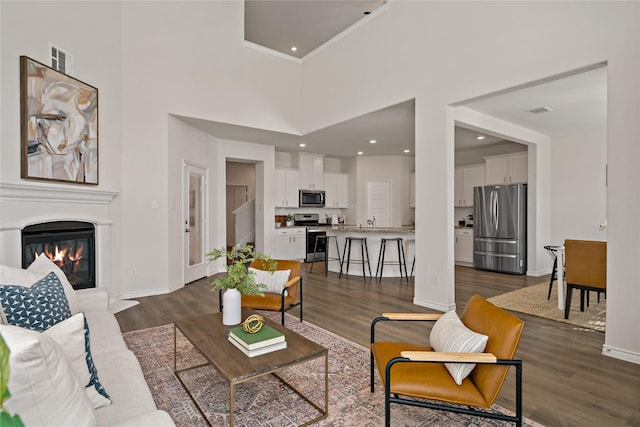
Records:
x=450, y=335
x=274, y=281
x=43, y=264
x=44, y=389
x=71, y=336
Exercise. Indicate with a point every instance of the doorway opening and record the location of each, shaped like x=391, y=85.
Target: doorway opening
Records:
x=240, y=203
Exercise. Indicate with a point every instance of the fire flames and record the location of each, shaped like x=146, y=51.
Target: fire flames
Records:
x=66, y=257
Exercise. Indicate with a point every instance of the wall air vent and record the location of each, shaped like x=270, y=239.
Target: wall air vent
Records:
x=60, y=60
x=540, y=110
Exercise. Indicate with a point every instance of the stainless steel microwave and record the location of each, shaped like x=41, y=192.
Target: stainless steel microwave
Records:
x=311, y=199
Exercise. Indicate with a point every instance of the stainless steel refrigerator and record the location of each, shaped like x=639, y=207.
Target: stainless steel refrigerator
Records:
x=500, y=228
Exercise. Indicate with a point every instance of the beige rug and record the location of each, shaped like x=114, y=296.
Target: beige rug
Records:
x=533, y=300
x=266, y=402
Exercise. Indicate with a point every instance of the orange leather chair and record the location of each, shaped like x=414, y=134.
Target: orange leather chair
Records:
x=585, y=269
x=413, y=372
x=279, y=302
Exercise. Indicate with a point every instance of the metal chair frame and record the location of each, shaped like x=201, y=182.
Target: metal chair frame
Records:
x=327, y=258
x=468, y=410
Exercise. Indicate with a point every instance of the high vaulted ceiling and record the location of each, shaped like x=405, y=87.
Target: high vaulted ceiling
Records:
x=576, y=101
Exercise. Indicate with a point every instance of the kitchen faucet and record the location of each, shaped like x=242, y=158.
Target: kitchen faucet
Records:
x=372, y=222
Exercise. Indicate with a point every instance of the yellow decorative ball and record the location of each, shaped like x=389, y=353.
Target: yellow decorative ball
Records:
x=253, y=323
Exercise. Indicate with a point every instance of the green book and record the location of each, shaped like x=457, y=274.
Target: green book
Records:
x=264, y=337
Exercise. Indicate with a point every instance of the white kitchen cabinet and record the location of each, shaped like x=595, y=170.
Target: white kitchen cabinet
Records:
x=465, y=179
x=506, y=169
x=336, y=187
x=291, y=243
x=287, y=185
x=311, y=171
x=412, y=189
x=463, y=248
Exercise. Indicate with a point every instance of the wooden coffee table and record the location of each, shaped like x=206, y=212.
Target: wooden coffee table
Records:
x=210, y=337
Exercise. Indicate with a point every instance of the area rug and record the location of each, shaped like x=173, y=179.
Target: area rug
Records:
x=266, y=401
x=533, y=300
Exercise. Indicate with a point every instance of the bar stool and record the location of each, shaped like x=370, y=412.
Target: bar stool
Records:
x=327, y=258
x=401, y=258
x=364, y=250
x=413, y=263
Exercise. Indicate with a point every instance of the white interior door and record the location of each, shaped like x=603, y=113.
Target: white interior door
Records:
x=194, y=221
x=379, y=202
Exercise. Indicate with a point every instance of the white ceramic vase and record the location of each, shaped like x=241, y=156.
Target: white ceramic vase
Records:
x=231, y=307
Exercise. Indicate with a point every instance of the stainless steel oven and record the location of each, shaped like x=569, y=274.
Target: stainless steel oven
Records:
x=314, y=228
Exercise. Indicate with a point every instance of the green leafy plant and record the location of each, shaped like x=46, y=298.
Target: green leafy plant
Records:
x=6, y=419
x=289, y=218
x=238, y=276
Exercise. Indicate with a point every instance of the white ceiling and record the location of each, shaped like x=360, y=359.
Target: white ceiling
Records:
x=305, y=24
x=578, y=101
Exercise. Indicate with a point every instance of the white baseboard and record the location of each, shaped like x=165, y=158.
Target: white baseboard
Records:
x=433, y=305
x=146, y=293
x=621, y=354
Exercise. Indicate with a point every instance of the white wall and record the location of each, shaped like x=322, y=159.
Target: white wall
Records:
x=583, y=187
x=187, y=58
x=27, y=28
x=443, y=53
x=185, y=144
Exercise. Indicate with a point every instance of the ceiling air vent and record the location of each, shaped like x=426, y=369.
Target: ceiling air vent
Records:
x=540, y=110
x=60, y=60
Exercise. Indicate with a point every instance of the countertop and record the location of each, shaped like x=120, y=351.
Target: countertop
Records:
x=357, y=228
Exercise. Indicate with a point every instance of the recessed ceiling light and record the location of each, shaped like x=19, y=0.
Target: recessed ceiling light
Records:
x=372, y=141
x=406, y=151
x=480, y=137
x=360, y=153
x=293, y=48
x=302, y=145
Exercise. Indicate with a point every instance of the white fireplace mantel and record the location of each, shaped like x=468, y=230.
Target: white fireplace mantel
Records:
x=27, y=203
x=51, y=200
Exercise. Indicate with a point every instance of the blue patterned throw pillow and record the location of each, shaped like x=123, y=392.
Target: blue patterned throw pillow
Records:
x=39, y=307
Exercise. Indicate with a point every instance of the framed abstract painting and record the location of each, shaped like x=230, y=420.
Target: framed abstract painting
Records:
x=59, y=126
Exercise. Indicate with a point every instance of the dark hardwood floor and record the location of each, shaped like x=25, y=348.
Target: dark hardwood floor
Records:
x=567, y=381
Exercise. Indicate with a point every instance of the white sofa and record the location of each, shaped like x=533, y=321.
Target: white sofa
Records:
x=118, y=369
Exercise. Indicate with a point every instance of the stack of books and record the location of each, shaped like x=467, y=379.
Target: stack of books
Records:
x=264, y=341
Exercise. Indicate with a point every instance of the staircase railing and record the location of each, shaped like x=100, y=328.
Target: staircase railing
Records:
x=244, y=218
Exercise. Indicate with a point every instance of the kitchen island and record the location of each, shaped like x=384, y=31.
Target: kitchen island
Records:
x=374, y=237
